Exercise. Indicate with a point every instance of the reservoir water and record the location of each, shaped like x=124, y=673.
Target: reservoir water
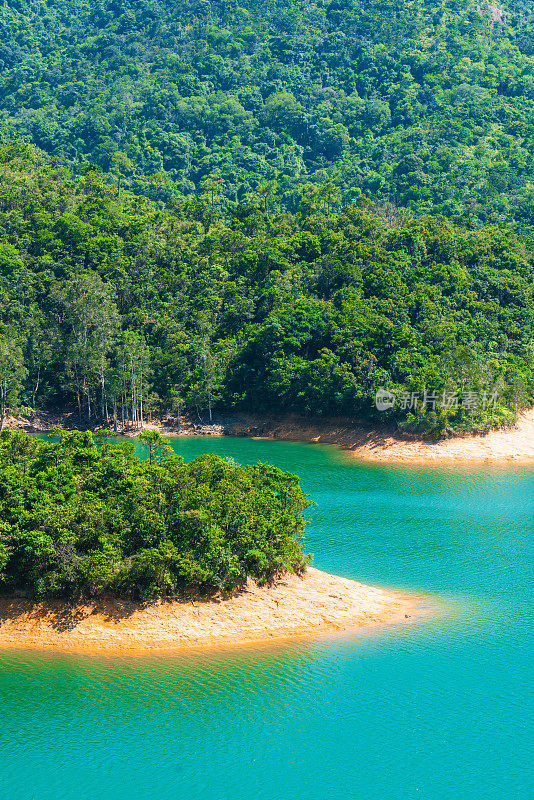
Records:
x=437, y=709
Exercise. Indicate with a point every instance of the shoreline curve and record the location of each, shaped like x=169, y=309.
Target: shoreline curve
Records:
x=380, y=445
x=294, y=607
x=506, y=446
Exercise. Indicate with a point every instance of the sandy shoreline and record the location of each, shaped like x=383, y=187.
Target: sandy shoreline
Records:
x=295, y=607
x=506, y=446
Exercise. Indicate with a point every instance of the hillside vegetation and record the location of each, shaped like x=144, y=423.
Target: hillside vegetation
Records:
x=113, y=304
x=427, y=105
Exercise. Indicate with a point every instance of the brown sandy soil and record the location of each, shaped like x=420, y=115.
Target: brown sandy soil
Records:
x=294, y=607
x=44, y=421
x=510, y=445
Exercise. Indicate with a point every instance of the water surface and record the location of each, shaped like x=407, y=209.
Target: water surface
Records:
x=438, y=709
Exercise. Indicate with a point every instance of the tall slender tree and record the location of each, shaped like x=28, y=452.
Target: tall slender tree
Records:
x=90, y=317
x=12, y=373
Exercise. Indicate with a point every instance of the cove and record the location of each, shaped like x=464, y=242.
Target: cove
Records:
x=439, y=709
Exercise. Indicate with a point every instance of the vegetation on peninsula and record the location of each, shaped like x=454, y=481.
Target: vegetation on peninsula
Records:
x=83, y=517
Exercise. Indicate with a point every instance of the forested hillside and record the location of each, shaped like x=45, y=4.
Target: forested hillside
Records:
x=112, y=303
x=428, y=105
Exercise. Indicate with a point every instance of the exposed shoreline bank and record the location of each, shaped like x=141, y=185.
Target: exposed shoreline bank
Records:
x=292, y=608
x=510, y=445
x=499, y=447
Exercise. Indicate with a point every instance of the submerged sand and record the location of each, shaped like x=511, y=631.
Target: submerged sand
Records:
x=294, y=607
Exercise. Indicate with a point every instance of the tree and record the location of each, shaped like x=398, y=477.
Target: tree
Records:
x=158, y=181
x=41, y=342
x=155, y=442
x=266, y=192
x=134, y=362
x=90, y=319
x=121, y=165
x=12, y=373
x=204, y=391
x=329, y=194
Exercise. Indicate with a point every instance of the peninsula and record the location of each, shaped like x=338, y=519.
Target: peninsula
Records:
x=102, y=551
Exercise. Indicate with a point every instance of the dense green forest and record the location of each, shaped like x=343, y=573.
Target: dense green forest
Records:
x=321, y=208
x=123, y=308
x=82, y=517
x=426, y=105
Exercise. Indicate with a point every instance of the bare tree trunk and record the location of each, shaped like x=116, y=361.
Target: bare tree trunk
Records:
x=141, y=399
x=123, y=400
x=102, y=392
x=36, y=387
x=134, y=410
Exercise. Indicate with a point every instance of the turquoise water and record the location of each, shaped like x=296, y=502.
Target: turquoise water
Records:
x=440, y=709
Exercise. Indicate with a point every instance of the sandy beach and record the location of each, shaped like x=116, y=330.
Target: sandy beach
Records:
x=294, y=607
x=510, y=445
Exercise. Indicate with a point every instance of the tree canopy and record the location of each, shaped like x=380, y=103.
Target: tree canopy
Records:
x=83, y=517
x=427, y=105
x=119, y=306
